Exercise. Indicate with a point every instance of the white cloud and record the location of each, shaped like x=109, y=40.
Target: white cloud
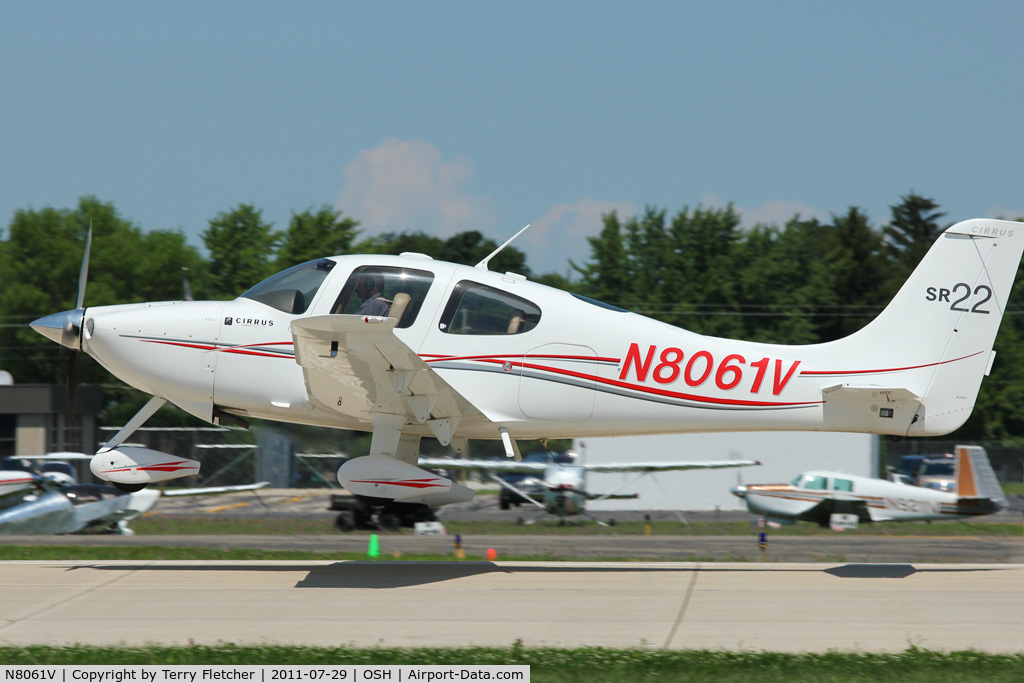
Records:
x=776, y=212
x=561, y=233
x=1005, y=213
x=408, y=186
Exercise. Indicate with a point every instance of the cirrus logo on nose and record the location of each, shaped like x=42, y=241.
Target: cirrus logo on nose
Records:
x=249, y=322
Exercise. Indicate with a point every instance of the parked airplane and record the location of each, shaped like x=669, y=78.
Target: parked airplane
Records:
x=32, y=504
x=56, y=467
x=564, y=486
x=841, y=500
x=407, y=347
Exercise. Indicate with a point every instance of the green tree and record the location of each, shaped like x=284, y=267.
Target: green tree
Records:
x=854, y=277
x=467, y=248
x=241, y=246
x=40, y=263
x=700, y=271
x=314, y=234
x=471, y=247
x=911, y=232
x=779, y=273
x=606, y=276
x=396, y=243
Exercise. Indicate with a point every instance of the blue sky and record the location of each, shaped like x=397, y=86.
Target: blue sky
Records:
x=450, y=116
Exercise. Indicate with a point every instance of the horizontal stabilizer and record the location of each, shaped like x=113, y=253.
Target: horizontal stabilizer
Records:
x=869, y=393
x=870, y=408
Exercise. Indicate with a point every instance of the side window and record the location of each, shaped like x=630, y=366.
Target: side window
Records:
x=814, y=482
x=842, y=485
x=384, y=291
x=478, y=309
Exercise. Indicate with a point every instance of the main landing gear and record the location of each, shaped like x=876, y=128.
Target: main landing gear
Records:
x=360, y=514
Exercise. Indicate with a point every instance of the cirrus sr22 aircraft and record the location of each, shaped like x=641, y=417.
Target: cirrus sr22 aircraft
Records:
x=458, y=352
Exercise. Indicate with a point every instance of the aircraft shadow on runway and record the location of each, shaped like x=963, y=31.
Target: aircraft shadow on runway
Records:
x=372, y=574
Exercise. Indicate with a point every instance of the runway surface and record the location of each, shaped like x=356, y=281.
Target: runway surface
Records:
x=734, y=606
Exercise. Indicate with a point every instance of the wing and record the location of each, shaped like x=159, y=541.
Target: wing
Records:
x=497, y=466
x=60, y=455
x=210, y=490
x=821, y=512
x=355, y=365
x=662, y=466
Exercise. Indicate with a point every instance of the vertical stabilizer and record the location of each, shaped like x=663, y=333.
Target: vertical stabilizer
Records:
x=935, y=338
x=975, y=477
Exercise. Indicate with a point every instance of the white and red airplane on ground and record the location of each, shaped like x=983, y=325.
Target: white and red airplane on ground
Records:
x=842, y=500
x=459, y=352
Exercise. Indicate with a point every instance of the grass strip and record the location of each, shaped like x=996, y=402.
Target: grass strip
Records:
x=592, y=664
x=187, y=525
x=87, y=553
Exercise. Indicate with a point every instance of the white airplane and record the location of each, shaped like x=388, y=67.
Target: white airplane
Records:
x=34, y=504
x=842, y=500
x=407, y=347
x=564, y=485
x=53, y=466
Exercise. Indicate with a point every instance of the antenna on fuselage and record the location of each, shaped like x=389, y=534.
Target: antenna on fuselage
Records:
x=483, y=264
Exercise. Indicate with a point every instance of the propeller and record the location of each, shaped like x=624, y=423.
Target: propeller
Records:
x=75, y=323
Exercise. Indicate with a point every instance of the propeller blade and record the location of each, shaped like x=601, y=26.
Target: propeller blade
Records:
x=76, y=329
x=83, y=274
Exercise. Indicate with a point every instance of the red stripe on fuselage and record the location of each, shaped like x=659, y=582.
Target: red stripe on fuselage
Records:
x=628, y=385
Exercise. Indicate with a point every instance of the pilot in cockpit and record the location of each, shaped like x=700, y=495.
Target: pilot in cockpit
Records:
x=370, y=289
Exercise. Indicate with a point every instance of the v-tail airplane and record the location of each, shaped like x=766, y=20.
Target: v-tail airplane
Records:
x=842, y=500
x=407, y=346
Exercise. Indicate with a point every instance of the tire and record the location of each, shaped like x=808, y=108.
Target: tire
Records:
x=343, y=522
x=504, y=504
x=389, y=521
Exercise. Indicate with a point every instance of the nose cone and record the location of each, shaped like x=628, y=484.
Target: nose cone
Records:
x=65, y=328
x=739, y=491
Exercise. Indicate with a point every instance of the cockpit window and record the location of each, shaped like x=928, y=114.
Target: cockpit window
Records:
x=292, y=290
x=385, y=291
x=842, y=485
x=478, y=309
x=812, y=481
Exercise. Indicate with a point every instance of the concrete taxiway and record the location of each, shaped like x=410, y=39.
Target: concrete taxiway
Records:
x=745, y=606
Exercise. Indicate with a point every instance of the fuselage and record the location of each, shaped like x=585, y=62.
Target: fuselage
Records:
x=14, y=485
x=565, y=490
x=538, y=361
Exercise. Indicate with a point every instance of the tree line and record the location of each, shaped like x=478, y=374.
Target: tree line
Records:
x=801, y=282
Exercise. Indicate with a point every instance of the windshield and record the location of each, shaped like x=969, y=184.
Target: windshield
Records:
x=292, y=290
